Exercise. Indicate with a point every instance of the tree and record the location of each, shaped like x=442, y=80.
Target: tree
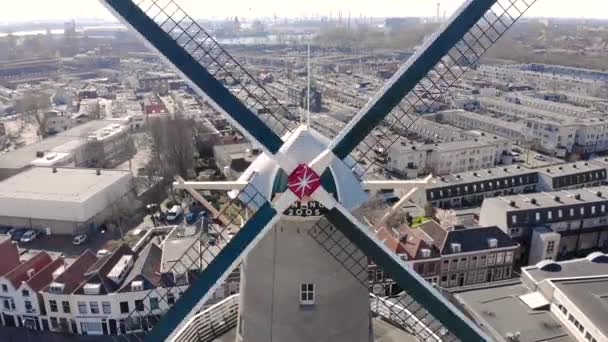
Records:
x=32, y=106
x=172, y=146
x=446, y=218
x=120, y=211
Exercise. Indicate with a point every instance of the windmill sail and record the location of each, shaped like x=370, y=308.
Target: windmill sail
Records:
x=209, y=68
x=425, y=78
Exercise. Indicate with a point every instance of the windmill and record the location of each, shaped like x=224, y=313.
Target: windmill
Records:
x=303, y=252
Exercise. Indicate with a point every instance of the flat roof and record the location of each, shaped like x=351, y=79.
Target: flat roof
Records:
x=65, y=141
x=547, y=199
x=571, y=168
x=501, y=311
x=590, y=296
x=479, y=175
x=575, y=268
x=67, y=184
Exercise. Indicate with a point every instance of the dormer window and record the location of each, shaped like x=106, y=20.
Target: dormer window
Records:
x=137, y=285
x=92, y=289
x=56, y=287
x=425, y=253
x=456, y=247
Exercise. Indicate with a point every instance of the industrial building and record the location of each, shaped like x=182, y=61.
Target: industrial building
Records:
x=72, y=147
x=65, y=200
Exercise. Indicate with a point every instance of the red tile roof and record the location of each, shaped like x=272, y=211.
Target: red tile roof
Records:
x=74, y=275
x=9, y=254
x=45, y=276
x=35, y=264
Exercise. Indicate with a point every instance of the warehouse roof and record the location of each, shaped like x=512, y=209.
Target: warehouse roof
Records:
x=59, y=184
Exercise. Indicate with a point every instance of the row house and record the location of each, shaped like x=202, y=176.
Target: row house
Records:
x=18, y=302
x=551, y=225
x=9, y=254
x=466, y=256
x=445, y=158
x=469, y=189
x=114, y=295
x=514, y=131
x=450, y=258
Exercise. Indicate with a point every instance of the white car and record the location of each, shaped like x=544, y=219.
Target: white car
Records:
x=29, y=236
x=102, y=252
x=174, y=213
x=79, y=239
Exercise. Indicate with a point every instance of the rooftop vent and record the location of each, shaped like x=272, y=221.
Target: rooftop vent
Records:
x=456, y=247
x=549, y=266
x=414, y=148
x=560, y=168
x=586, y=164
x=574, y=166
x=549, y=170
x=512, y=203
x=31, y=272
x=98, y=172
x=39, y=154
x=518, y=167
x=492, y=242
x=475, y=174
x=505, y=169
x=54, y=170
x=533, y=201
x=577, y=196
x=489, y=171
x=557, y=199
x=457, y=176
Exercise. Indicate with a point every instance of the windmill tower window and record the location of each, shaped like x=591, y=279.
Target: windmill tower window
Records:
x=307, y=294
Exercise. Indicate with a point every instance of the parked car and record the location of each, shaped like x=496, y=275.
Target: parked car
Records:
x=80, y=239
x=29, y=235
x=540, y=157
x=174, y=213
x=102, y=252
x=17, y=233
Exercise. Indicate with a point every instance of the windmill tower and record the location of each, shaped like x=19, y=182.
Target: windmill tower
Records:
x=301, y=192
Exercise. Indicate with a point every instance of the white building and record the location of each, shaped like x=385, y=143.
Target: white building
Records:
x=66, y=200
x=574, y=292
x=487, y=123
x=20, y=305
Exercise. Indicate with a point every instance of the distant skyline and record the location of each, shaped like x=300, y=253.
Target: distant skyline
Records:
x=41, y=10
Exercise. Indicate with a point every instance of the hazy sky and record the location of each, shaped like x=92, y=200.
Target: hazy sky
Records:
x=26, y=10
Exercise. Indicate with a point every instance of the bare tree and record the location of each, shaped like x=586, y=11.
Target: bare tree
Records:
x=32, y=106
x=172, y=146
x=120, y=211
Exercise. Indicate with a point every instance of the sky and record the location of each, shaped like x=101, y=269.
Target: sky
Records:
x=37, y=10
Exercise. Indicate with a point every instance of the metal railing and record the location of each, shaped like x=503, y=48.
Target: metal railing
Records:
x=400, y=316
x=221, y=317
x=212, y=322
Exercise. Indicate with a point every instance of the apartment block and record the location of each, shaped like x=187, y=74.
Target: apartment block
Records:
x=551, y=225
